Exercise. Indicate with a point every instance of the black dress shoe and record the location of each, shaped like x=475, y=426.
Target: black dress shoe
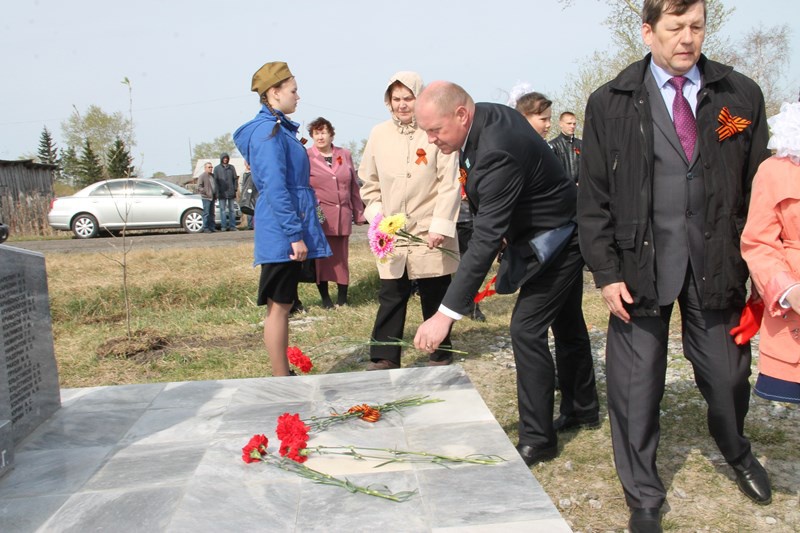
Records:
x=563, y=423
x=645, y=520
x=753, y=481
x=532, y=455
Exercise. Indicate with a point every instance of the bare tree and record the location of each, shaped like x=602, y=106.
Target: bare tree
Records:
x=764, y=56
x=212, y=149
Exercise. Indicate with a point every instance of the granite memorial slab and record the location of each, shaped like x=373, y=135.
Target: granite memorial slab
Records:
x=167, y=457
x=29, y=390
x=6, y=447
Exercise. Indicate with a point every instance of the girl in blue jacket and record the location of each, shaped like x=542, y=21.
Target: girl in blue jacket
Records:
x=287, y=231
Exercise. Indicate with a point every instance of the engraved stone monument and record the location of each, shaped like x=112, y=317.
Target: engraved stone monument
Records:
x=29, y=390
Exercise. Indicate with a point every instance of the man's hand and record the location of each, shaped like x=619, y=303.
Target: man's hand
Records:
x=434, y=240
x=614, y=294
x=299, y=251
x=432, y=332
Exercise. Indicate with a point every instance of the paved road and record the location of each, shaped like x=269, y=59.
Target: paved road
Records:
x=150, y=241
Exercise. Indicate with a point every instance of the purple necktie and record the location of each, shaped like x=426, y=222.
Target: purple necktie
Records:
x=683, y=118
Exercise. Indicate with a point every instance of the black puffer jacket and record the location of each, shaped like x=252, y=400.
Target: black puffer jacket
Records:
x=615, y=206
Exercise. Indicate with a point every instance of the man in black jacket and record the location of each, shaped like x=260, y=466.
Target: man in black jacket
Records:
x=517, y=190
x=566, y=146
x=670, y=148
x=227, y=182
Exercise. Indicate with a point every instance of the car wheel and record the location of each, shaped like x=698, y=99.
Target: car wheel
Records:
x=84, y=226
x=193, y=221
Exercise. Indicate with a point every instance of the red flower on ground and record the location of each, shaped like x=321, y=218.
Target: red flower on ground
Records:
x=299, y=359
x=291, y=428
x=294, y=451
x=255, y=449
x=294, y=436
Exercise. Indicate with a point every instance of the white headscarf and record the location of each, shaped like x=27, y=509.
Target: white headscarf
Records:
x=786, y=132
x=413, y=81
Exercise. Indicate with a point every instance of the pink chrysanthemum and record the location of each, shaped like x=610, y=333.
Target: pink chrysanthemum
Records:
x=382, y=246
x=381, y=243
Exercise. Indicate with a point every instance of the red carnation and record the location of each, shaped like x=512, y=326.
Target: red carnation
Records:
x=294, y=436
x=294, y=451
x=291, y=428
x=255, y=449
x=299, y=359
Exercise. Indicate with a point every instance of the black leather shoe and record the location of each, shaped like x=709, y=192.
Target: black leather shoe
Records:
x=753, y=480
x=477, y=314
x=532, y=455
x=563, y=423
x=645, y=520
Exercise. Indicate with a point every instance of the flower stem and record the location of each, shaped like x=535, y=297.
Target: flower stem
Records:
x=402, y=456
x=413, y=239
x=317, y=423
x=325, y=479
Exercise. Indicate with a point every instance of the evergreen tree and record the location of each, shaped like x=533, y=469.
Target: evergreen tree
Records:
x=48, y=153
x=90, y=169
x=70, y=165
x=119, y=160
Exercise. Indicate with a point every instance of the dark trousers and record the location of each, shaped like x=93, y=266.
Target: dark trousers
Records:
x=208, y=214
x=552, y=298
x=636, y=362
x=227, y=213
x=391, y=319
x=574, y=362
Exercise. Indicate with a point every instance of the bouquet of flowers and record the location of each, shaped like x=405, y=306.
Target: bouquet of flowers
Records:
x=294, y=450
x=385, y=233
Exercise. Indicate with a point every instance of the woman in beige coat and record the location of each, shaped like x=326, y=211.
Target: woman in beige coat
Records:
x=403, y=173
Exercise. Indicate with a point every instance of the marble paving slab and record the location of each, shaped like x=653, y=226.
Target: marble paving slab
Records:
x=167, y=457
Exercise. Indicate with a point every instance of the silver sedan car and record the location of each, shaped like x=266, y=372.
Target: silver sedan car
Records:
x=131, y=204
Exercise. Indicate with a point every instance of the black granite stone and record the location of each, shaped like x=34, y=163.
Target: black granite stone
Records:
x=29, y=390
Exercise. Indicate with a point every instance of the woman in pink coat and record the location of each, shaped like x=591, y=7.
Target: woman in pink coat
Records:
x=333, y=179
x=771, y=247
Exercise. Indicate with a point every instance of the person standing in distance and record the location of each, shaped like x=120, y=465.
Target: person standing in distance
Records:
x=206, y=186
x=568, y=147
x=227, y=185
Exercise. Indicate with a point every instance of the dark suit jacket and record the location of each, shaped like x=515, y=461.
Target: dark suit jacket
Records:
x=516, y=189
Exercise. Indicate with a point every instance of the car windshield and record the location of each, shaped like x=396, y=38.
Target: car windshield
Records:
x=175, y=187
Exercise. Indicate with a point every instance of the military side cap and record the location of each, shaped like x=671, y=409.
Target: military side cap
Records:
x=270, y=74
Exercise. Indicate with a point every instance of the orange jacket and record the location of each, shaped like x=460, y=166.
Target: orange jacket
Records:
x=771, y=247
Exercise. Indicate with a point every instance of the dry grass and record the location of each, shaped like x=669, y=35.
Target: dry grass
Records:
x=202, y=302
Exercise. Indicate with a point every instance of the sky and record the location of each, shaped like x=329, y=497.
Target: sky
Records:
x=190, y=63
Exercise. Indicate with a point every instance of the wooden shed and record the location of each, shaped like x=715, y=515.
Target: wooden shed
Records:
x=26, y=188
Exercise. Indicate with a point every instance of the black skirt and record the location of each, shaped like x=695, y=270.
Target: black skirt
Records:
x=278, y=282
